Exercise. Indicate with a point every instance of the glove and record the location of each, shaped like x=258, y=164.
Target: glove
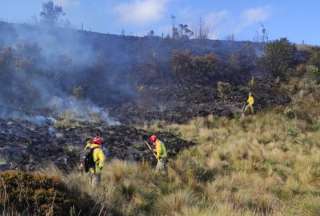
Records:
x=145, y=137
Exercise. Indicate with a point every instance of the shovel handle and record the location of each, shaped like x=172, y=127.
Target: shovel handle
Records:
x=149, y=147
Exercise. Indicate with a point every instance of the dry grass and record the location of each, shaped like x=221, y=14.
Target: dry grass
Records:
x=37, y=194
x=266, y=164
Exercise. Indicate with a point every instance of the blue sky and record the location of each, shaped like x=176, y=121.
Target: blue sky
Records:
x=294, y=19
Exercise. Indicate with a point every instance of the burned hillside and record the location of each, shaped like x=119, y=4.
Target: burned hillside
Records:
x=28, y=146
x=62, y=70
x=85, y=81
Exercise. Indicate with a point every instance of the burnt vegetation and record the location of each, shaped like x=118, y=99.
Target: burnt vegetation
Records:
x=58, y=85
x=147, y=78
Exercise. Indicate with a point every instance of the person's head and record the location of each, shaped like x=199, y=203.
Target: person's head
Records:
x=153, y=138
x=250, y=93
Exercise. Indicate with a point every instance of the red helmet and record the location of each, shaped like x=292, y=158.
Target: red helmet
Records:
x=153, y=138
x=97, y=140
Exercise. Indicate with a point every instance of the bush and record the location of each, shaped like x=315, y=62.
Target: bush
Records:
x=190, y=69
x=223, y=89
x=315, y=57
x=36, y=194
x=279, y=57
x=314, y=71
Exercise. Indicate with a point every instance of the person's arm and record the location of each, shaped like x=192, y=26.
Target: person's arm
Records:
x=87, y=146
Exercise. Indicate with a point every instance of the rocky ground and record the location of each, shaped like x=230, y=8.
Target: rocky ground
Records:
x=28, y=146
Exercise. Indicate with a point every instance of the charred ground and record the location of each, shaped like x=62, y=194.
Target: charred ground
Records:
x=50, y=75
x=28, y=146
x=52, y=70
x=58, y=86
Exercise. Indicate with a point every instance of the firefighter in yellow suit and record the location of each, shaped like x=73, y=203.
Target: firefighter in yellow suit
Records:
x=95, y=145
x=250, y=103
x=161, y=154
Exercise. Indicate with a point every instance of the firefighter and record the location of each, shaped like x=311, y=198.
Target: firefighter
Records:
x=250, y=103
x=94, y=159
x=161, y=154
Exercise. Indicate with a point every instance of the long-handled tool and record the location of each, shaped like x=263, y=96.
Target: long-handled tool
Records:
x=149, y=147
x=244, y=107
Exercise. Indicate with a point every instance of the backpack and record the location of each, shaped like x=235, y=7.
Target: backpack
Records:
x=88, y=160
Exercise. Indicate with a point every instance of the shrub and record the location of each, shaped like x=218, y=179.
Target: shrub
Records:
x=315, y=57
x=279, y=57
x=223, y=89
x=36, y=194
x=189, y=69
x=314, y=71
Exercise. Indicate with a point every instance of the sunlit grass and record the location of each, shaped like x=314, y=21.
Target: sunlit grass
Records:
x=260, y=165
x=264, y=164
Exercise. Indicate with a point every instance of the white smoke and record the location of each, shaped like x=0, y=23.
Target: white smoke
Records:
x=81, y=110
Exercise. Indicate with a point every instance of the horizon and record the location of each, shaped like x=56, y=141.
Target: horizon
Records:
x=242, y=20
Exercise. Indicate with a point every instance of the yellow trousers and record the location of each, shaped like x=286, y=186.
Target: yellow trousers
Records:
x=249, y=107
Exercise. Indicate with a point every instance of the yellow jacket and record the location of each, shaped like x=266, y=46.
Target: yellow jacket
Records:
x=98, y=156
x=160, y=150
x=250, y=100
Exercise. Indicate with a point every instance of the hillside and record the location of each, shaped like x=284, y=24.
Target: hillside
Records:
x=63, y=69
x=266, y=164
x=59, y=86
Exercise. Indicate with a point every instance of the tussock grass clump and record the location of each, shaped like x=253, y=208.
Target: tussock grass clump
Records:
x=37, y=194
x=126, y=188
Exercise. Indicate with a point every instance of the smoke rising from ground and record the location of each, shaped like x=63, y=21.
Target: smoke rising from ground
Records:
x=50, y=71
x=47, y=71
